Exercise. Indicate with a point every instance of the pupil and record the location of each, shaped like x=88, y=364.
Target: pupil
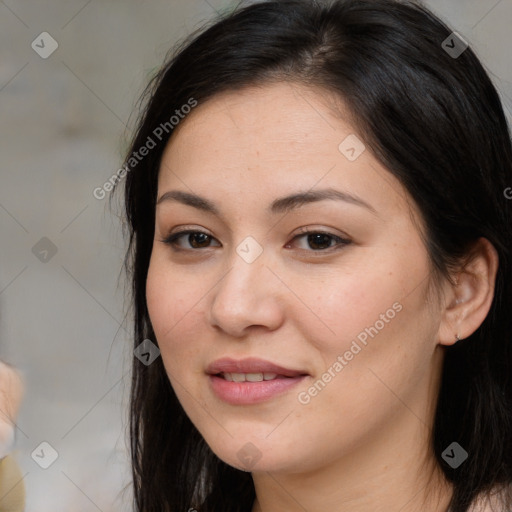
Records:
x=195, y=236
x=317, y=240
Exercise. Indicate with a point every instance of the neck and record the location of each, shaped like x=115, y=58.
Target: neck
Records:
x=375, y=477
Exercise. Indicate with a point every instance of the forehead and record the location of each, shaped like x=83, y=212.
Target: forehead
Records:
x=254, y=119
x=276, y=137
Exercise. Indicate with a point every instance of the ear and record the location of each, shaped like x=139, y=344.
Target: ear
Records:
x=467, y=303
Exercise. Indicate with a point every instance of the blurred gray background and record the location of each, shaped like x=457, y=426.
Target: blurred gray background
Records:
x=64, y=123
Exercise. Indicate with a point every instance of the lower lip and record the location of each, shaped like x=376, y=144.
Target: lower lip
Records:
x=246, y=393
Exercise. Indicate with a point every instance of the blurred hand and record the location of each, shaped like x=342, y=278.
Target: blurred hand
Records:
x=11, y=395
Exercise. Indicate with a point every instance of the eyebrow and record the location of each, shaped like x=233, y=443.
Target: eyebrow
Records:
x=281, y=205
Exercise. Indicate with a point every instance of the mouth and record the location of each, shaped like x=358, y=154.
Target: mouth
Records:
x=251, y=381
x=251, y=366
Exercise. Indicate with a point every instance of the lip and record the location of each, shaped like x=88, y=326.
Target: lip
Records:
x=250, y=365
x=246, y=393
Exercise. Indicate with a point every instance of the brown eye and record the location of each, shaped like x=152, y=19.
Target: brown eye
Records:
x=195, y=239
x=320, y=241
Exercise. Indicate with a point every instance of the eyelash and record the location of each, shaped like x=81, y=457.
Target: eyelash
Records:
x=171, y=240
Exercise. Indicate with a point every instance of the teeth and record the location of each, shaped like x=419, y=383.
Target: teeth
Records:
x=254, y=377
x=249, y=377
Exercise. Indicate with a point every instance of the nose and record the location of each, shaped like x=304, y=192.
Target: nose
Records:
x=248, y=295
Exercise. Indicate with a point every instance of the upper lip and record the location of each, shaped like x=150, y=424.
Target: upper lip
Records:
x=250, y=365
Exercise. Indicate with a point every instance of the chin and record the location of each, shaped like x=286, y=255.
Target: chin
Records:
x=252, y=456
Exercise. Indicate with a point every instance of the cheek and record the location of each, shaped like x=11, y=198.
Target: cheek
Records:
x=376, y=314
x=170, y=301
x=171, y=314
x=350, y=301
x=170, y=295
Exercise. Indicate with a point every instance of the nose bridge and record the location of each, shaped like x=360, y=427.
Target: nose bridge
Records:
x=247, y=266
x=246, y=294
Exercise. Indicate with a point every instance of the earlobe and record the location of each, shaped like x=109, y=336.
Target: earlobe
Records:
x=469, y=300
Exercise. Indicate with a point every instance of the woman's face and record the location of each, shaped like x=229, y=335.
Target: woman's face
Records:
x=342, y=315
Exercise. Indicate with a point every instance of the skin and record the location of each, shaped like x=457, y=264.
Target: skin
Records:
x=11, y=395
x=362, y=443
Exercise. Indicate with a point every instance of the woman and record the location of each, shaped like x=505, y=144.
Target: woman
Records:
x=320, y=247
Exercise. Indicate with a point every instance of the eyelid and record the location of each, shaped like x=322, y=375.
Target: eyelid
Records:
x=192, y=228
x=313, y=230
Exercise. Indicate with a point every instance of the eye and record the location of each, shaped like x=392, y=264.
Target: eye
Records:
x=196, y=239
x=321, y=241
